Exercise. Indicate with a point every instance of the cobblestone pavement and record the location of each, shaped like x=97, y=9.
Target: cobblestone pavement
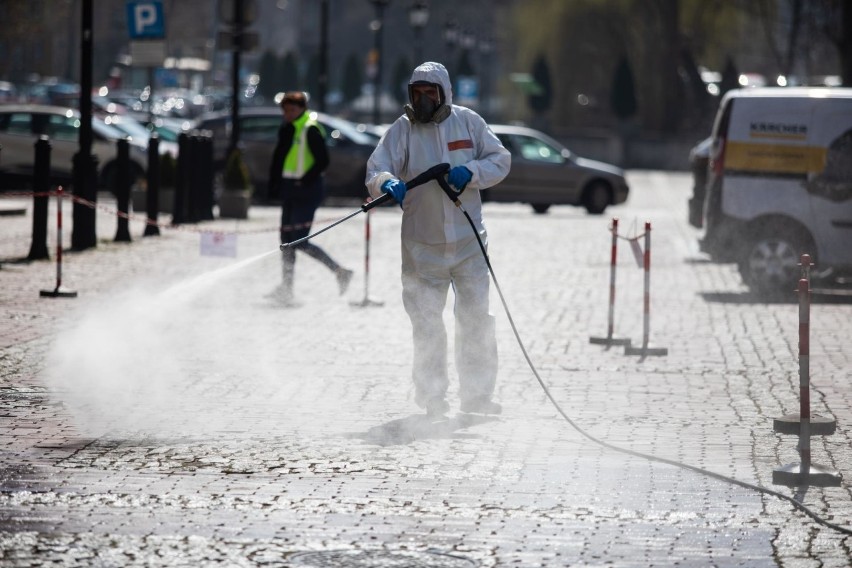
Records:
x=176, y=414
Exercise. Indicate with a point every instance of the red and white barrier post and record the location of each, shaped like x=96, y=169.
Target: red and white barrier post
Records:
x=367, y=301
x=646, y=349
x=803, y=424
x=609, y=339
x=59, y=291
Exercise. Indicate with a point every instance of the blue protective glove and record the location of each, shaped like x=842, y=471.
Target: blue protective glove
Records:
x=396, y=187
x=459, y=177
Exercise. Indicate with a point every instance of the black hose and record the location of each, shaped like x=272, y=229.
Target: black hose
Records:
x=649, y=457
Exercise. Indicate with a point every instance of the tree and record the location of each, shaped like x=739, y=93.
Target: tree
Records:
x=464, y=68
x=623, y=94
x=401, y=75
x=834, y=19
x=289, y=73
x=269, y=78
x=540, y=102
x=311, y=80
x=352, y=79
x=730, y=77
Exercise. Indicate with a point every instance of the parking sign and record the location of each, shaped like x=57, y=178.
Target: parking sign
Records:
x=145, y=19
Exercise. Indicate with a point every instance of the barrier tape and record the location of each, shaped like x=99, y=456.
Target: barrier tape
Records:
x=143, y=218
x=635, y=246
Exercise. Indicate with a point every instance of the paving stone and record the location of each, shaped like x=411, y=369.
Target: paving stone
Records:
x=234, y=432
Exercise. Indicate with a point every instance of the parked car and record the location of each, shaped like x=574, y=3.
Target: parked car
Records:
x=349, y=148
x=22, y=125
x=545, y=173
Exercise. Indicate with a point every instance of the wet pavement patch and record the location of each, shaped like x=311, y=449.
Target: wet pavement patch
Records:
x=378, y=559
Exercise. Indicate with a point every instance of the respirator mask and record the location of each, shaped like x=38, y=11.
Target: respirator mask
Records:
x=424, y=109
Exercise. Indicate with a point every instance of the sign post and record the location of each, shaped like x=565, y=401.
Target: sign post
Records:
x=146, y=23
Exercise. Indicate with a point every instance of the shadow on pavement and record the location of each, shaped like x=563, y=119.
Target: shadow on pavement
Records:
x=818, y=296
x=420, y=427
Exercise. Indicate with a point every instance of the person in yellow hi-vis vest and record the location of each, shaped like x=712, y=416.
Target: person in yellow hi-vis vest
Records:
x=296, y=174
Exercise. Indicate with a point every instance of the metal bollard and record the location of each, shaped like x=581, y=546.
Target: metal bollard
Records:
x=123, y=182
x=609, y=339
x=804, y=424
x=152, y=195
x=182, y=182
x=41, y=197
x=59, y=291
x=195, y=174
x=84, y=229
x=367, y=301
x=208, y=176
x=646, y=306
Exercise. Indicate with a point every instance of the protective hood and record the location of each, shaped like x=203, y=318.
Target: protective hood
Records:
x=431, y=72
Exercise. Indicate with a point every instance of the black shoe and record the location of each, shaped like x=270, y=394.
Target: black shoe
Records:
x=437, y=407
x=344, y=277
x=481, y=405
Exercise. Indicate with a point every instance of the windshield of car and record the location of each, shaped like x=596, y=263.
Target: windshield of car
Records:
x=166, y=133
x=260, y=127
x=337, y=128
x=106, y=131
x=129, y=127
x=531, y=148
x=264, y=127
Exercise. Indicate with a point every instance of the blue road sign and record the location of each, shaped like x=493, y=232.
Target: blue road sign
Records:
x=145, y=19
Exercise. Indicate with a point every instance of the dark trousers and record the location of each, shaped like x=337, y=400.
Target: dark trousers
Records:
x=297, y=215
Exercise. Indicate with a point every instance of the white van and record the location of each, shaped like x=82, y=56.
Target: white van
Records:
x=780, y=184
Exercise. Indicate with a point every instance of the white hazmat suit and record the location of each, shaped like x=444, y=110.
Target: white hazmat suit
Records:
x=438, y=244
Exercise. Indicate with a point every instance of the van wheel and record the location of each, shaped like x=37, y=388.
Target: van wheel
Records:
x=540, y=208
x=769, y=264
x=596, y=197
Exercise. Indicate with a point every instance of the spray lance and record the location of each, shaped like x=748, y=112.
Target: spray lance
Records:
x=435, y=172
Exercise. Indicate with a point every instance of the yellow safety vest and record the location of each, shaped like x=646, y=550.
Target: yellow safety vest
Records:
x=299, y=158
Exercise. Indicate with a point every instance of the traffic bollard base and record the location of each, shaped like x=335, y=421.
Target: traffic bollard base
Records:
x=793, y=475
x=58, y=293
x=366, y=303
x=609, y=341
x=791, y=424
x=646, y=351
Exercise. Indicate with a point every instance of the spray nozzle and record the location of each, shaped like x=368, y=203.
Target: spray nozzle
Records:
x=435, y=172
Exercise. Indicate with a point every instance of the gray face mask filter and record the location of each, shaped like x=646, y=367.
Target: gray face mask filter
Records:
x=424, y=109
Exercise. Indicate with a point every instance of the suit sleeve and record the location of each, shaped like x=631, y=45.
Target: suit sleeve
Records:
x=492, y=161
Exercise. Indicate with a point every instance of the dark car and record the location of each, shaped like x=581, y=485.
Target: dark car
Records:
x=349, y=148
x=545, y=173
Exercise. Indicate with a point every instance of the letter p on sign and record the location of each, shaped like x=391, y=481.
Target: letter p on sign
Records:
x=145, y=20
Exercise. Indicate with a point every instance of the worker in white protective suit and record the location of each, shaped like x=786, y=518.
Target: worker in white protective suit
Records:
x=439, y=247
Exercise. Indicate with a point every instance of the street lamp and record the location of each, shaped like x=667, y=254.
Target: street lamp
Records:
x=418, y=17
x=376, y=26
